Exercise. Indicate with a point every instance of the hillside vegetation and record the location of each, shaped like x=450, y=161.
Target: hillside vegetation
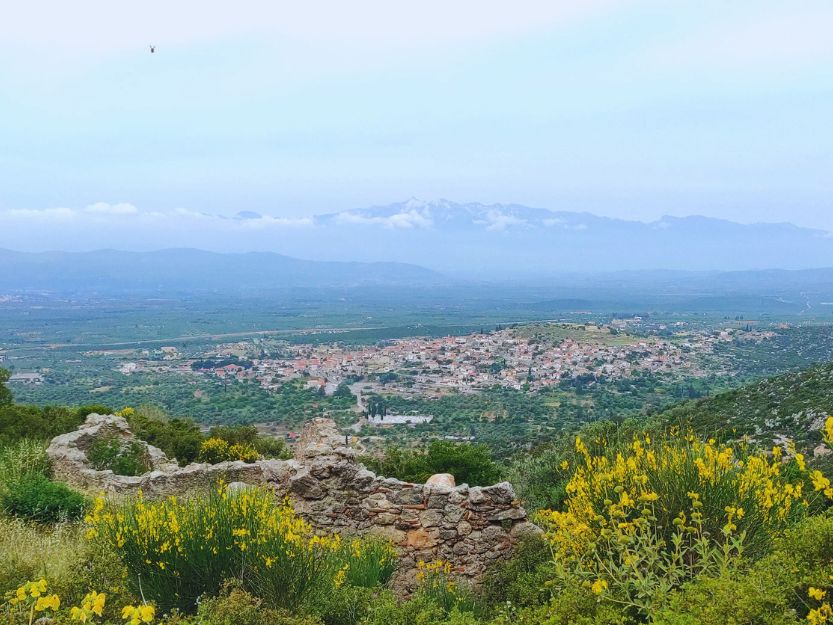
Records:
x=792, y=406
x=643, y=524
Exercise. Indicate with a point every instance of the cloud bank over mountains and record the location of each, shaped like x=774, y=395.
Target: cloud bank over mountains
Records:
x=497, y=240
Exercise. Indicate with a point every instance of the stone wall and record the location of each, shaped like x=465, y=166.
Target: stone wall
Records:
x=471, y=527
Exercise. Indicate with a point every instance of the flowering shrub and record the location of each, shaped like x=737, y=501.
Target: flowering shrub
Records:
x=641, y=523
x=214, y=450
x=176, y=550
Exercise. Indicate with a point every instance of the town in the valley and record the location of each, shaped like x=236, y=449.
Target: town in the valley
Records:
x=523, y=357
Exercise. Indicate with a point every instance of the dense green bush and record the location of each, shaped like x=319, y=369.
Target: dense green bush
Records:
x=772, y=590
x=119, y=456
x=524, y=579
x=178, y=438
x=26, y=491
x=469, y=464
x=347, y=605
x=235, y=606
x=43, y=423
x=36, y=498
x=182, y=439
x=573, y=605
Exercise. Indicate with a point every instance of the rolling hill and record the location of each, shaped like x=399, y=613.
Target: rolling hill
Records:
x=193, y=271
x=792, y=406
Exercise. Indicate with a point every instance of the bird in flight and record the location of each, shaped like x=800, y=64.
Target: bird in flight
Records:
x=152, y=49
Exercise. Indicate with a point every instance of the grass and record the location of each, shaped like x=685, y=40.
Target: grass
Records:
x=29, y=552
x=27, y=457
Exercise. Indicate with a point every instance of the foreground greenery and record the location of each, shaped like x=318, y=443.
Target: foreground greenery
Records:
x=644, y=521
x=672, y=530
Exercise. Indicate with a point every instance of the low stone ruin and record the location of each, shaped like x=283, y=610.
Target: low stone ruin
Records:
x=471, y=527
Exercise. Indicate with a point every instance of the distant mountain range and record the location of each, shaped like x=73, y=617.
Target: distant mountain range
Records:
x=581, y=260
x=507, y=240
x=193, y=271
x=462, y=240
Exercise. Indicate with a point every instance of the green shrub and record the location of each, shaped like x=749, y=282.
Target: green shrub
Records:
x=178, y=438
x=522, y=580
x=418, y=610
x=235, y=606
x=345, y=605
x=469, y=464
x=772, y=590
x=18, y=422
x=36, y=498
x=574, y=605
x=759, y=598
x=119, y=456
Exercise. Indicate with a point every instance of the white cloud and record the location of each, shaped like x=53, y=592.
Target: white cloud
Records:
x=37, y=215
x=104, y=208
x=115, y=214
x=402, y=220
x=267, y=221
x=496, y=221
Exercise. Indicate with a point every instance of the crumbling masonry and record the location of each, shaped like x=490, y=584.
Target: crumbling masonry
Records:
x=471, y=527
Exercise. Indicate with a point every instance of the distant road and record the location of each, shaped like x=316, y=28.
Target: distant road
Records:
x=226, y=335
x=213, y=337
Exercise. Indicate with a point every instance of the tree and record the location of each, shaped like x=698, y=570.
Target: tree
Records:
x=5, y=392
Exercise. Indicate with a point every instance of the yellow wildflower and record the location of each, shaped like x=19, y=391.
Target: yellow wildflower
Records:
x=599, y=586
x=816, y=593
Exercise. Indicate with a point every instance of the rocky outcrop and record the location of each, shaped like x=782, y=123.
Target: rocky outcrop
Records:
x=471, y=527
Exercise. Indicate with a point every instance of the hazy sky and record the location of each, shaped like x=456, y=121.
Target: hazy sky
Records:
x=629, y=109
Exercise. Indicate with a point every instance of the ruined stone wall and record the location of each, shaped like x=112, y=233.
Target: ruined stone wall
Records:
x=471, y=527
